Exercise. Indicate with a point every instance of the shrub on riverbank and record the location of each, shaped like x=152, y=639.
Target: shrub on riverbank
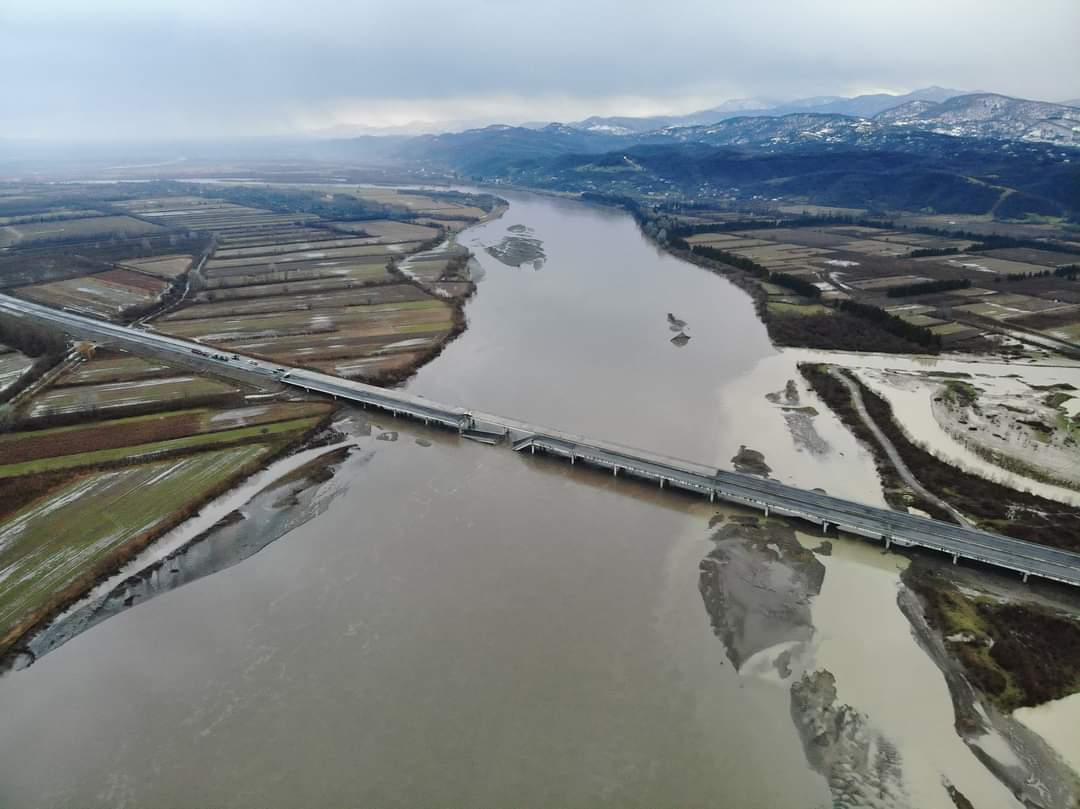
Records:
x=838, y=331
x=1017, y=654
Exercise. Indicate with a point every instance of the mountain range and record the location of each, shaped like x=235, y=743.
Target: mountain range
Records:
x=976, y=153
x=862, y=106
x=919, y=126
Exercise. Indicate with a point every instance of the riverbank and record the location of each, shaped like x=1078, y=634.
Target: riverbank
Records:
x=1002, y=646
x=53, y=596
x=990, y=505
x=1017, y=649
x=295, y=494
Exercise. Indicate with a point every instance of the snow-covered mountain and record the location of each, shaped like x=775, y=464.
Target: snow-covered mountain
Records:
x=988, y=115
x=862, y=106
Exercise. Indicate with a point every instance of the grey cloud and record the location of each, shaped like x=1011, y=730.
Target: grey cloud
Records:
x=117, y=68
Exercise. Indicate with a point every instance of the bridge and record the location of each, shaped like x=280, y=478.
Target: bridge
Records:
x=890, y=528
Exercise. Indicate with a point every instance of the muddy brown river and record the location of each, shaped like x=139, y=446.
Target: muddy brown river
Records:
x=458, y=626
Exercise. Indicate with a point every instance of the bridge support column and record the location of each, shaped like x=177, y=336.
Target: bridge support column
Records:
x=1026, y=577
x=824, y=526
x=712, y=495
x=661, y=483
x=532, y=449
x=888, y=542
x=955, y=557
x=615, y=471
x=572, y=458
x=766, y=509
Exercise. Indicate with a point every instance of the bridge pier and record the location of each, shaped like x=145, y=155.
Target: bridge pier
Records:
x=888, y=542
x=712, y=495
x=955, y=557
x=615, y=471
x=766, y=509
x=1026, y=577
x=661, y=483
x=824, y=526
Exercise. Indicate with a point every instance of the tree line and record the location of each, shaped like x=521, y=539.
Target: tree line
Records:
x=928, y=287
x=797, y=285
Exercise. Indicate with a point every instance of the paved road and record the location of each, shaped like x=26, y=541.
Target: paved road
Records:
x=884, y=525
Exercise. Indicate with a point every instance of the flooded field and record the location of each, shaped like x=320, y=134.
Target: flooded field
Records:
x=455, y=625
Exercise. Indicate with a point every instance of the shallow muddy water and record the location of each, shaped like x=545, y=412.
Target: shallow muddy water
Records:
x=462, y=626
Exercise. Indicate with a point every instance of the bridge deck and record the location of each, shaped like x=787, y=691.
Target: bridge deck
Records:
x=884, y=525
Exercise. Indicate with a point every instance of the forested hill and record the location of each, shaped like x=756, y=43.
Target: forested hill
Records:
x=977, y=179
x=827, y=159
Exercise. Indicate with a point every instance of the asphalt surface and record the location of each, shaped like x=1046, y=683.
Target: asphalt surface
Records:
x=879, y=524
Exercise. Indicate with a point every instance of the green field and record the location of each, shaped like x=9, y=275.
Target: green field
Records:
x=1069, y=332
x=115, y=369
x=64, y=539
x=946, y=329
x=797, y=310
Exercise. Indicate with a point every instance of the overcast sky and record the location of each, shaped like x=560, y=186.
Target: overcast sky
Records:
x=134, y=69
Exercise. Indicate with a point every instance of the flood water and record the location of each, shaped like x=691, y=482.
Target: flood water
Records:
x=465, y=627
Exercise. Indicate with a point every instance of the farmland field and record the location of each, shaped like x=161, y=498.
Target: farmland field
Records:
x=1043, y=258
x=106, y=367
x=317, y=254
x=359, y=270
x=59, y=447
x=66, y=537
x=12, y=366
x=48, y=216
x=405, y=199
x=135, y=453
x=889, y=282
x=294, y=336
x=281, y=235
x=336, y=297
x=169, y=266
x=279, y=248
x=293, y=297
x=112, y=396
x=782, y=309
x=106, y=294
x=297, y=284
x=73, y=229
x=389, y=231
x=1070, y=331
x=991, y=265
x=126, y=452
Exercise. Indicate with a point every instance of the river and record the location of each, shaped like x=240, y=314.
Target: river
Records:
x=462, y=626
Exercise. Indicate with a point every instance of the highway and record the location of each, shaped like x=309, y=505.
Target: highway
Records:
x=772, y=497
